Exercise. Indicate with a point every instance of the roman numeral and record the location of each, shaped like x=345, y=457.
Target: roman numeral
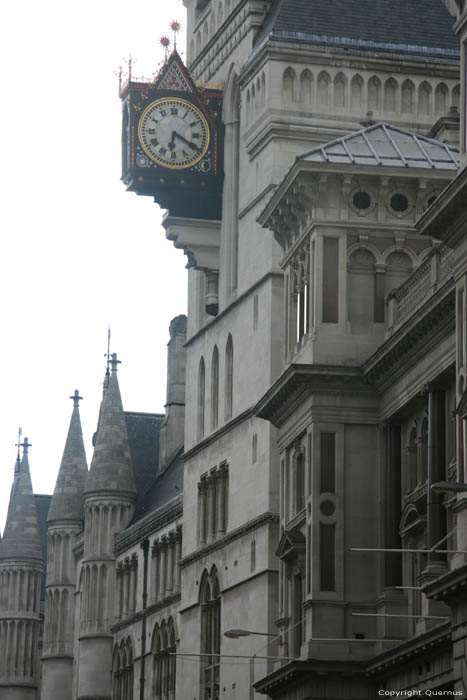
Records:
x=151, y=131
x=195, y=136
x=154, y=142
x=173, y=154
x=162, y=151
x=173, y=110
x=185, y=154
x=163, y=112
x=193, y=123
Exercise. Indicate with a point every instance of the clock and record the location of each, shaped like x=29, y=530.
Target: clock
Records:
x=173, y=133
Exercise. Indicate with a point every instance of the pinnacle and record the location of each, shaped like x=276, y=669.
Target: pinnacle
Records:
x=111, y=468
x=67, y=500
x=21, y=536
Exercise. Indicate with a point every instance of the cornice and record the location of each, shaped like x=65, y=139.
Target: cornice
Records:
x=420, y=645
x=299, y=381
x=446, y=219
x=155, y=607
x=293, y=671
x=250, y=526
x=148, y=525
x=450, y=587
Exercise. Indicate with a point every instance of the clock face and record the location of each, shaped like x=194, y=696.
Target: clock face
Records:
x=173, y=133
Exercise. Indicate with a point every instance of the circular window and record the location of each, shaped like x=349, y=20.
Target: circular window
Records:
x=399, y=202
x=327, y=508
x=361, y=200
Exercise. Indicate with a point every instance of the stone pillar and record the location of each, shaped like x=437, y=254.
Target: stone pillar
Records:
x=163, y=568
x=436, y=521
x=202, y=524
x=133, y=581
x=211, y=509
x=155, y=572
x=118, y=614
x=170, y=563
x=178, y=557
x=220, y=502
x=392, y=510
x=126, y=587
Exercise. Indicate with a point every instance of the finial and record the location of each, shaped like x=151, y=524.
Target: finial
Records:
x=165, y=42
x=114, y=362
x=25, y=445
x=175, y=26
x=107, y=355
x=76, y=398
x=18, y=445
x=130, y=64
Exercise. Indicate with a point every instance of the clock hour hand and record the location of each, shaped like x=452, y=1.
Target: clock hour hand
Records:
x=171, y=143
x=192, y=145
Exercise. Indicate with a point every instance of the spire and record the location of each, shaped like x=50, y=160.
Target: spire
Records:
x=111, y=468
x=21, y=536
x=67, y=501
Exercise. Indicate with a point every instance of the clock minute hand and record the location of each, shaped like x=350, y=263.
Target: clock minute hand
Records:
x=188, y=143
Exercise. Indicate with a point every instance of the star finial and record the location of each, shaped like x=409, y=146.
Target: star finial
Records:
x=175, y=26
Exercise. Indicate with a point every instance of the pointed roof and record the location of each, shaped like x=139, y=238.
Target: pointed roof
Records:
x=175, y=76
x=111, y=467
x=383, y=144
x=67, y=501
x=21, y=538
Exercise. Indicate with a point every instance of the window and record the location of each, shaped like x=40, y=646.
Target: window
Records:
x=228, y=378
x=213, y=494
x=215, y=388
x=164, y=660
x=122, y=671
x=210, y=635
x=201, y=398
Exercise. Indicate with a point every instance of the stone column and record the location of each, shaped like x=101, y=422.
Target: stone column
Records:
x=178, y=557
x=163, y=568
x=118, y=614
x=133, y=582
x=220, y=503
x=126, y=587
x=436, y=521
x=170, y=562
x=155, y=572
x=392, y=511
x=202, y=491
x=211, y=509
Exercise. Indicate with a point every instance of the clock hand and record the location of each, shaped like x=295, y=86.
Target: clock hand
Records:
x=188, y=143
x=171, y=143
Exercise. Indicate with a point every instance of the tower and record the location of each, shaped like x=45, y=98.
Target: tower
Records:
x=64, y=521
x=20, y=582
x=109, y=499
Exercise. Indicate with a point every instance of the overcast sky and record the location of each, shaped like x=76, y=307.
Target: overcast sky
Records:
x=78, y=253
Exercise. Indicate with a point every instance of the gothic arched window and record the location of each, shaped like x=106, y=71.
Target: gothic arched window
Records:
x=228, y=378
x=164, y=661
x=123, y=671
x=210, y=635
x=201, y=398
x=214, y=388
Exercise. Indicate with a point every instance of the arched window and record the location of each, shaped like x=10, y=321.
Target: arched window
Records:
x=441, y=100
x=288, y=85
x=123, y=671
x=340, y=89
x=390, y=92
x=164, y=661
x=356, y=94
x=323, y=88
x=374, y=93
x=210, y=635
x=201, y=398
x=408, y=91
x=228, y=378
x=215, y=388
x=424, y=97
x=306, y=84
x=299, y=480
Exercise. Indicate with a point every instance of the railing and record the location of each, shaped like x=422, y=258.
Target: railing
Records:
x=433, y=273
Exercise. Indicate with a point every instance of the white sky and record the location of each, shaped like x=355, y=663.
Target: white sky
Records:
x=77, y=252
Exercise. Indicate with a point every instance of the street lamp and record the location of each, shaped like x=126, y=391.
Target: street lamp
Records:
x=236, y=634
x=449, y=487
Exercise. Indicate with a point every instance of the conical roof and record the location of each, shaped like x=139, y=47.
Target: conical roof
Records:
x=67, y=501
x=21, y=538
x=111, y=468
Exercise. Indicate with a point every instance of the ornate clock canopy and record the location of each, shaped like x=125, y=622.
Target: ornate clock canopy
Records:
x=172, y=142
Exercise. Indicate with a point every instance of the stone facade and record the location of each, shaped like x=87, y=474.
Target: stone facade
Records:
x=316, y=392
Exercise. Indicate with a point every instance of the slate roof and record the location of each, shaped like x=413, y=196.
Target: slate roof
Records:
x=383, y=144
x=164, y=488
x=143, y=437
x=420, y=27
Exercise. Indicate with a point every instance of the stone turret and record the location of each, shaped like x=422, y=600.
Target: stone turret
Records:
x=21, y=565
x=173, y=426
x=64, y=521
x=109, y=499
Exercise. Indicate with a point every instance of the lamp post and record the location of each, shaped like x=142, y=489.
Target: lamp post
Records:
x=449, y=487
x=236, y=634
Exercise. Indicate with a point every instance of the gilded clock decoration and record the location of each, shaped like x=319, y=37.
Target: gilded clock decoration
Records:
x=173, y=133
